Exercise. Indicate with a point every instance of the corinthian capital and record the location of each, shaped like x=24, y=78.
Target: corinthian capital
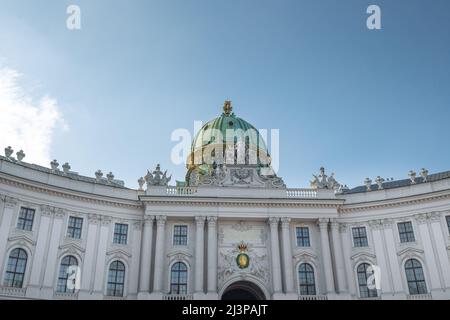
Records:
x=10, y=202
x=285, y=221
x=334, y=223
x=273, y=221
x=323, y=223
x=212, y=221
x=200, y=220
x=161, y=220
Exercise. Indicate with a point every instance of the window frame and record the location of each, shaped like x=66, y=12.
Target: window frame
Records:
x=10, y=283
x=406, y=233
x=74, y=228
x=179, y=284
x=114, y=292
x=302, y=238
x=356, y=244
x=21, y=225
x=65, y=276
x=415, y=280
x=368, y=293
x=120, y=234
x=311, y=288
x=174, y=244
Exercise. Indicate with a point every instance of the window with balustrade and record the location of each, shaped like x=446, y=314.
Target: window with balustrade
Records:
x=15, y=269
x=67, y=270
x=116, y=279
x=178, y=278
x=415, y=277
x=364, y=272
x=306, y=280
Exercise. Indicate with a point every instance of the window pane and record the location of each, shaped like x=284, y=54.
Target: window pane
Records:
x=15, y=268
x=415, y=277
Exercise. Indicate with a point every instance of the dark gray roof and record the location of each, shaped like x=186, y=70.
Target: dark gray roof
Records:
x=70, y=175
x=401, y=183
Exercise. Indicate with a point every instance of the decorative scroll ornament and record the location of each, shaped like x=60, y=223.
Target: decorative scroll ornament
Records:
x=157, y=177
x=242, y=259
x=322, y=181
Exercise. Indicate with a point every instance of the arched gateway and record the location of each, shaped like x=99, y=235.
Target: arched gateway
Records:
x=243, y=290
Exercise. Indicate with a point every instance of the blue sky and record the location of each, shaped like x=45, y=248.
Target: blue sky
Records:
x=361, y=103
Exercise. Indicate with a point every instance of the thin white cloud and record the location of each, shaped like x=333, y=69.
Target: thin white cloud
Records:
x=24, y=123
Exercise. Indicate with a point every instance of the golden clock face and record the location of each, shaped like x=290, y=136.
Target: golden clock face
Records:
x=242, y=260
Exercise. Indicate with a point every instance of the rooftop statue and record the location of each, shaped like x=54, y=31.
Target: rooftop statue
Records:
x=157, y=178
x=322, y=181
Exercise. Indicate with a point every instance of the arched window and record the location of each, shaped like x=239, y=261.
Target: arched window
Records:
x=363, y=274
x=116, y=279
x=15, y=270
x=65, y=270
x=178, y=278
x=415, y=277
x=306, y=279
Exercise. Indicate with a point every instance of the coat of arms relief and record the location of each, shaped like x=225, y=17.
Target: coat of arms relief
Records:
x=242, y=251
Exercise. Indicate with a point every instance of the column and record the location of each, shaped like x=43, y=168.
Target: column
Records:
x=422, y=221
x=347, y=251
x=87, y=270
x=275, y=251
x=39, y=260
x=389, y=242
x=5, y=226
x=376, y=228
x=199, y=252
x=338, y=256
x=146, y=255
x=326, y=255
x=440, y=245
x=159, y=253
x=287, y=255
x=212, y=254
x=100, y=260
x=51, y=264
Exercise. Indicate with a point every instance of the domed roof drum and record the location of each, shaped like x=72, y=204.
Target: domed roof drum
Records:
x=227, y=140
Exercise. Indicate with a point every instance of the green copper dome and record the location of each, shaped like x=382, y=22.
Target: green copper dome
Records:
x=228, y=126
x=223, y=138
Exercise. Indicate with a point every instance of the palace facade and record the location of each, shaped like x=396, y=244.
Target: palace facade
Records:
x=230, y=231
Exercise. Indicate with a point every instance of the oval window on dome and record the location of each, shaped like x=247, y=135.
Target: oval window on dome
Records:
x=230, y=123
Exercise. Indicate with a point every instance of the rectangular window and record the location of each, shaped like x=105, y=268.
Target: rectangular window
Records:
x=120, y=233
x=406, y=232
x=26, y=218
x=448, y=223
x=360, y=237
x=180, y=234
x=302, y=234
x=75, y=227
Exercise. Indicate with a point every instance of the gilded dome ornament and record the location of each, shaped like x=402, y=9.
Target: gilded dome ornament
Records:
x=227, y=108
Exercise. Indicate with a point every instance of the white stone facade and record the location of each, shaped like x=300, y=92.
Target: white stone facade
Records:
x=216, y=220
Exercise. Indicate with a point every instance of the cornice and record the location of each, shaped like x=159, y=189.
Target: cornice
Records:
x=241, y=202
x=395, y=202
x=68, y=194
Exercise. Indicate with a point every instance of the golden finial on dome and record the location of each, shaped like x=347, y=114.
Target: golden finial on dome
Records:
x=227, y=108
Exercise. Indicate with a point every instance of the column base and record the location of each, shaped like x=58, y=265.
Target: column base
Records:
x=393, y=296
x=155, y=296
x=87, y=295
x=199, y=296
x=143, y=295
x=440, y=294
x=344, y=296
x=278, y=296
x=212, y=296
x=36, y=292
